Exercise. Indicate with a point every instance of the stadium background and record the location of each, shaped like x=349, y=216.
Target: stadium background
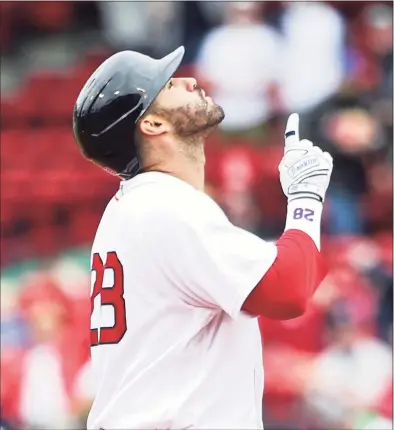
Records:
x=331, y=62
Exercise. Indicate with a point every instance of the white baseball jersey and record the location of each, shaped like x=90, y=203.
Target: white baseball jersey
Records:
x=171, y=348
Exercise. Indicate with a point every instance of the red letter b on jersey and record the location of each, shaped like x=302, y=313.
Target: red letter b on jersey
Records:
x=111, y=296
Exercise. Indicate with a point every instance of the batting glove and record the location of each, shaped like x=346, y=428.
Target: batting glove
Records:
x=305, y=170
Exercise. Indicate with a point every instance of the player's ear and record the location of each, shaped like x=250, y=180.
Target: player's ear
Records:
x=153, y=125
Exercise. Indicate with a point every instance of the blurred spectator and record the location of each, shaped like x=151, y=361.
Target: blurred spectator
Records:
x=124, y=24
x=313, y=66
x=366, y=258
x=371, y=49
x=139, y=25
x=47, y=368
x=344, y=126
x=345, y=377
x=371, y=64
x=239, y=63
x=165, y=18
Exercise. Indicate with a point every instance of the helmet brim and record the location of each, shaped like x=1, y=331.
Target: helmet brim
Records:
x=166, y=68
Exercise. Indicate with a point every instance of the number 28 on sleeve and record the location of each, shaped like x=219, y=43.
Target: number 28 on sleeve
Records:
x=304, y=213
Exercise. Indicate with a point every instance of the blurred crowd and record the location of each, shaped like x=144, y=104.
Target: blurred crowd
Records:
x=332, y=62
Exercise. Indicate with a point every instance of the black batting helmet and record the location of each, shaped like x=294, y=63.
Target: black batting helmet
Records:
x=112, y=101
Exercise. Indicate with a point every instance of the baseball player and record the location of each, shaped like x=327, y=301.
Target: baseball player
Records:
x=176, y=288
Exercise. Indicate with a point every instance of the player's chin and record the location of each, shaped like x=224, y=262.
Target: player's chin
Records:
x=213, y=120
x=216, y=115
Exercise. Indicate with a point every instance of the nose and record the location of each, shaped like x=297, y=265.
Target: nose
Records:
x=190, y=84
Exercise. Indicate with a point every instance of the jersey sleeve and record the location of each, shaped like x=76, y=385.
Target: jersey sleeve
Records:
x=211, y=261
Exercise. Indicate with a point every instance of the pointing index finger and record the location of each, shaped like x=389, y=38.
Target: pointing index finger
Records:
x=292, y=135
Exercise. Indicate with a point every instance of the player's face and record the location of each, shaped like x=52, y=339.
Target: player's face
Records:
x=186, y=107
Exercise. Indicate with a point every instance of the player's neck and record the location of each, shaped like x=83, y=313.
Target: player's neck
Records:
x=186, y=166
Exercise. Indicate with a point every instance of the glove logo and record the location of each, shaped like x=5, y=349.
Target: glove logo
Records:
x=303, y=165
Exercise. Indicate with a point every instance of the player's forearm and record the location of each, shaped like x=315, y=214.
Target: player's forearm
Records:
x=289, y=284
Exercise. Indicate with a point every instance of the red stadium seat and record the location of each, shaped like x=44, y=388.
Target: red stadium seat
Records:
x=11, y=110
x=50, y=15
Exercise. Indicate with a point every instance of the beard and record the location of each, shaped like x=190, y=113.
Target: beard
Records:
x=193, y=121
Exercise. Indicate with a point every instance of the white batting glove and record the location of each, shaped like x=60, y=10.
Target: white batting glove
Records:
x=305, y=170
